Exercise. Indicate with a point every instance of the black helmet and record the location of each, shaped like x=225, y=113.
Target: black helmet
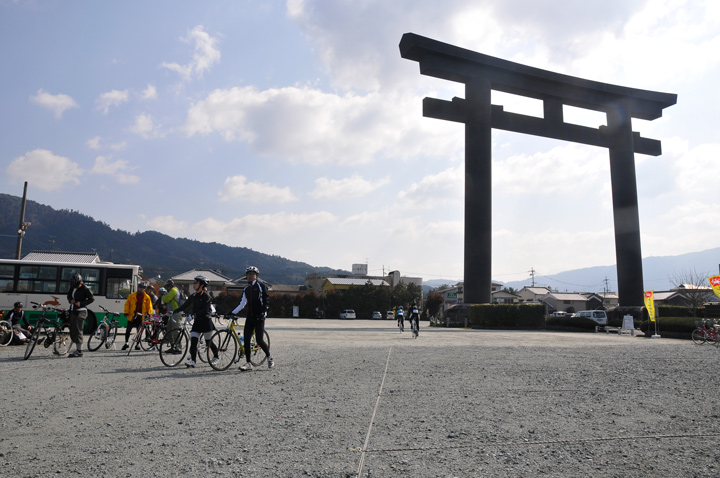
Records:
x=252, y=269
x=75, y=279
x=143, y=285
x=17, y=304
x=201, y=279
x=169, y=284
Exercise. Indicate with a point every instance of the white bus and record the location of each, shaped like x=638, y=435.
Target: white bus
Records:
x=44, y=278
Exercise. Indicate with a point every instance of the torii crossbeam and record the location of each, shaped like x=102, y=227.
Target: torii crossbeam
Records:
x=481, y=74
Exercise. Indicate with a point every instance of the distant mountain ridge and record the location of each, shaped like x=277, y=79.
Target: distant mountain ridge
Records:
x=158, y=254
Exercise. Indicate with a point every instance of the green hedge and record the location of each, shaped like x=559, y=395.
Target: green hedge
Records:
x=507, y=316
x=671, y=324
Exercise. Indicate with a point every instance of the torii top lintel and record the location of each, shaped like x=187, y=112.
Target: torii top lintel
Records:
x=453, y=63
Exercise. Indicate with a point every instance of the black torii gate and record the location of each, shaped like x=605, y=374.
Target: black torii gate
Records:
x=481, y=74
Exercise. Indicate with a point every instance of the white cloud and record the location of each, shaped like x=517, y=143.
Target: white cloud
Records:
x=145, y=127
x=437, y=190
x=93, y=143
x=346, y=188
x=167, y=224
x=205, y=55
x=236, y=188
x=305, y=124
x=45, y=170
x=57, y=103
x=116, y=169
x=149, y=93
x=112, y=98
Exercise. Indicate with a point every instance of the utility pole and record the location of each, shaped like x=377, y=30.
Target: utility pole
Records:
x=23, y=225
x=532, y=276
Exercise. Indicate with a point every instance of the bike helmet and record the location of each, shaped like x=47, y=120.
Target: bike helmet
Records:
x=169, y=284
x=75, y=279
x=400, y=307
x=201, y=279
x=17, y=304
x=252, y=269
x=142, y=285
x=163, y=290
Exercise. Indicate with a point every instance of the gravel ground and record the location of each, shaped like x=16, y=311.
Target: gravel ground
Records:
x=358, y=398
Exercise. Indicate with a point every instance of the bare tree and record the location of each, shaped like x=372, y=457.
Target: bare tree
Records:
x=693, y=285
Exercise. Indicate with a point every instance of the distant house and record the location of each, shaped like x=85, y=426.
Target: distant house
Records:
x=216, y=281
x=279, y=289
x=601, y=300
x=504, y=297
x=532, y=294
x=564, y=302
x=337, y=283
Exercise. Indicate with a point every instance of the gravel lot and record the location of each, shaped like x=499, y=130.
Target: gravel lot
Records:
x=358, y=398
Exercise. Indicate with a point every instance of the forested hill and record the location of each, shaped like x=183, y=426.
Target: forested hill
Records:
x=157, y=253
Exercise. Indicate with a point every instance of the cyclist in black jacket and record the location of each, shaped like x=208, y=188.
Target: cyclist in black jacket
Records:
x=203, y=324
x=255, y=296
x=79, y=297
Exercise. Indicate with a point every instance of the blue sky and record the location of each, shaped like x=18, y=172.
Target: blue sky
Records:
x=295, y=128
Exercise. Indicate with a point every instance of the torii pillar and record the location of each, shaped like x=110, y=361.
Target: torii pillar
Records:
x=481, y=74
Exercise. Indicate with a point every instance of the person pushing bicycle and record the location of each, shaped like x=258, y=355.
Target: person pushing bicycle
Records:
x=137, y=305
x=255, y=297
x=203, y=324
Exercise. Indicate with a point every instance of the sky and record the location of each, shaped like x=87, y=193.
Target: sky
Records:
x=295, y=128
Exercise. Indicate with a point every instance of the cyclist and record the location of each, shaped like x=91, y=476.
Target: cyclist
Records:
x=79, y=297
x=136, y=306
x=255, y=296
x=400, y=316
x=170, y=299
x=17, y=319
x=203, y=324
x=414, y=316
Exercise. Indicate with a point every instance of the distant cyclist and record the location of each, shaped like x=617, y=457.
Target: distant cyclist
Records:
x=414, y=316
x=400, y=316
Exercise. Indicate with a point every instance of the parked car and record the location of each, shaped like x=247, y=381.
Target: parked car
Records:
x=377, y=315
x=389, y=315
x=598, y=316
x=347, y=314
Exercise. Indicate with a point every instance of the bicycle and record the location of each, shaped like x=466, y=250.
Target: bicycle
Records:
x=707, y=330
x=229, y=343
x=401, y=323
x=174, y=349
x=151, y=327
x=415, y=328
x=50, y=332
x=105, y=332
x=6, y=333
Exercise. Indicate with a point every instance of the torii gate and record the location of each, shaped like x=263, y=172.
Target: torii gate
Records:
x=481, y=74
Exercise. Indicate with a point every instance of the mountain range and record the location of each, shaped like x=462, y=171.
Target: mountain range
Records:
x=162, y=255
x=659, y=273
x=158, y=254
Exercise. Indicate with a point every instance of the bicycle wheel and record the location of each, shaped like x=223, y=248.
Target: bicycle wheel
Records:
x=136, y=339
x=62, y=340
x=31, y=343
x=227, y=348
x=148, y=335
x=415, y=330
x=699, y=336
x=173, y=351
x=6, y=333
x=110, y=340
x=97, y=338
x=202, y=353
x=257, y=356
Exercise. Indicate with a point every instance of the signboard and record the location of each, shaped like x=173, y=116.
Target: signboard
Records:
x=452, y=295
x=715, y=283
x=628, y=322
x=650, y=304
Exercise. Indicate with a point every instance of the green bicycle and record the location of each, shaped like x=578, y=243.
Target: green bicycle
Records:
x=231, y=347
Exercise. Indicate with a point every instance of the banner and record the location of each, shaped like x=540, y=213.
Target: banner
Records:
x=650, y=304
x=715, y=283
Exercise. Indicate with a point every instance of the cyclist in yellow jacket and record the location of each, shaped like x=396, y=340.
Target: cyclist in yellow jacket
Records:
x=136, y=306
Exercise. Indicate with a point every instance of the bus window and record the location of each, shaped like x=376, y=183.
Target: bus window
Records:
x=91, y=278
x=38, y=279
x=117, y=288
x=6, y=277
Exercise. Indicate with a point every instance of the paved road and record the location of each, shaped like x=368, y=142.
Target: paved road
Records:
x=358, y=398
